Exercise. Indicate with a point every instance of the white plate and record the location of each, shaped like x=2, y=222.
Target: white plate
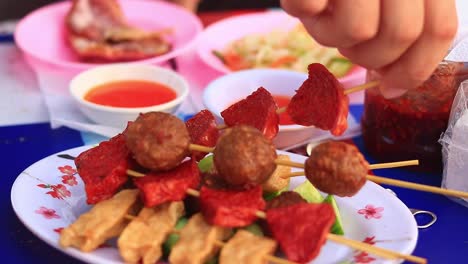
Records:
x=59, y=198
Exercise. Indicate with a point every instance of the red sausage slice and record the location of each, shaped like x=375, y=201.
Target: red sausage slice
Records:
x=301, y=229
x=103, y=169
x=231, y=208
x=160, y=187
x=257, y=110
x=320, y=101
x=203, y=131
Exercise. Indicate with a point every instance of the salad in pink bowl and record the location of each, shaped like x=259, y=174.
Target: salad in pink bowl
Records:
x=270, y=39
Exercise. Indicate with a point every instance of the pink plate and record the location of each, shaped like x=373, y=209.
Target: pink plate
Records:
x=41, y=34
x=218, y=35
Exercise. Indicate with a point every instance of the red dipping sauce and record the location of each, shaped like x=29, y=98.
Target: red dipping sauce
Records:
x=282, y=100
x=130, y=94
x=409, y=127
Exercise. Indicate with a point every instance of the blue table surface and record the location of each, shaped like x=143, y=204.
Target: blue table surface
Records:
x=20, y=146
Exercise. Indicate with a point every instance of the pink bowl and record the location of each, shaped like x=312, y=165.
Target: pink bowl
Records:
x=218, y=35
x=41, y=34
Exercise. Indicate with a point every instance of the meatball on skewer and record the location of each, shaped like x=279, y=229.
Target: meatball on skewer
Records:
x=340, y=169
x=244, y=157
x=160, y=141
x=337, y=168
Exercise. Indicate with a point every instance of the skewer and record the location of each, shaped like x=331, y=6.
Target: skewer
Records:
x=375, y=166
x=341, y=240
x=404, y=184
x=346, y=92
x=376, y=179
x=417, y=186
x=361, y=87
x=220, y=243
x=375, y=250
x=195, y=147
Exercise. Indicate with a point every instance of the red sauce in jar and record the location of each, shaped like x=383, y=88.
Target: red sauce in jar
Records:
x=281, y=101
x=130, y=93
x=409, y=127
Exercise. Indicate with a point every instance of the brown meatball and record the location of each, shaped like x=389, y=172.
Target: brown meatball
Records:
x=243, y=157
x=285, y=199
x=158, y=141
x=337, y=168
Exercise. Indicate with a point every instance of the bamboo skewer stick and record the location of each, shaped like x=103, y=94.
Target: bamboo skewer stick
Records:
x=375, y=166
x=361, y=87
x=396, y=164
x=375, y=250
x=341, y=240
x=409, y=185
x=417, y=186
x=290, y=164
x=195, y=147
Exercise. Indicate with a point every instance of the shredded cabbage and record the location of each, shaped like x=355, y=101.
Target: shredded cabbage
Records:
x=293, y=50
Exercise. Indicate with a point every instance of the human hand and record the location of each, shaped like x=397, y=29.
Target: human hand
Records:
x=403, y=40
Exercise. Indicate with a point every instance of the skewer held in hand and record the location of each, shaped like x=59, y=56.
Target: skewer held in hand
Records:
x=346, y=91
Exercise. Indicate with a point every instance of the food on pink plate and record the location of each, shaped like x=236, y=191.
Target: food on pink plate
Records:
x=97, y=30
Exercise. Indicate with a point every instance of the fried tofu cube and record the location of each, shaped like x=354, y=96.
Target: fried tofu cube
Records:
x=142, y=239
x=245, y=247
x=275, y=183
x=104, y=221
x=198, y=241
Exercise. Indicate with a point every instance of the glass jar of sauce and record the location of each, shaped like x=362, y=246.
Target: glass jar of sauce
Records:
x=410, y=126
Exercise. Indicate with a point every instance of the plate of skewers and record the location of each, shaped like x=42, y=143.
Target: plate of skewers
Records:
x=200, y=192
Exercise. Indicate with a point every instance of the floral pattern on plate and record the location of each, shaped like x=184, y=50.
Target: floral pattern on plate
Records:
x=371, y=211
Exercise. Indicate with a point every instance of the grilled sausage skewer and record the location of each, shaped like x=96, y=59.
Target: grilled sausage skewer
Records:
x=341, y=240
x=339, y=168
x=354, y=89
x=328, y=160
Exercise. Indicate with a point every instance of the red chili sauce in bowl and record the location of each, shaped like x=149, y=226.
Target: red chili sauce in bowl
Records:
x=130, y=94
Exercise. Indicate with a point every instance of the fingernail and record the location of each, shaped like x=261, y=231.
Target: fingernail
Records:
x=390, y=91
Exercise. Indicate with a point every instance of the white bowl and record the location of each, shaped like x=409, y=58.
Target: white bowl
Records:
x=230, y=88
x=119, y=116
